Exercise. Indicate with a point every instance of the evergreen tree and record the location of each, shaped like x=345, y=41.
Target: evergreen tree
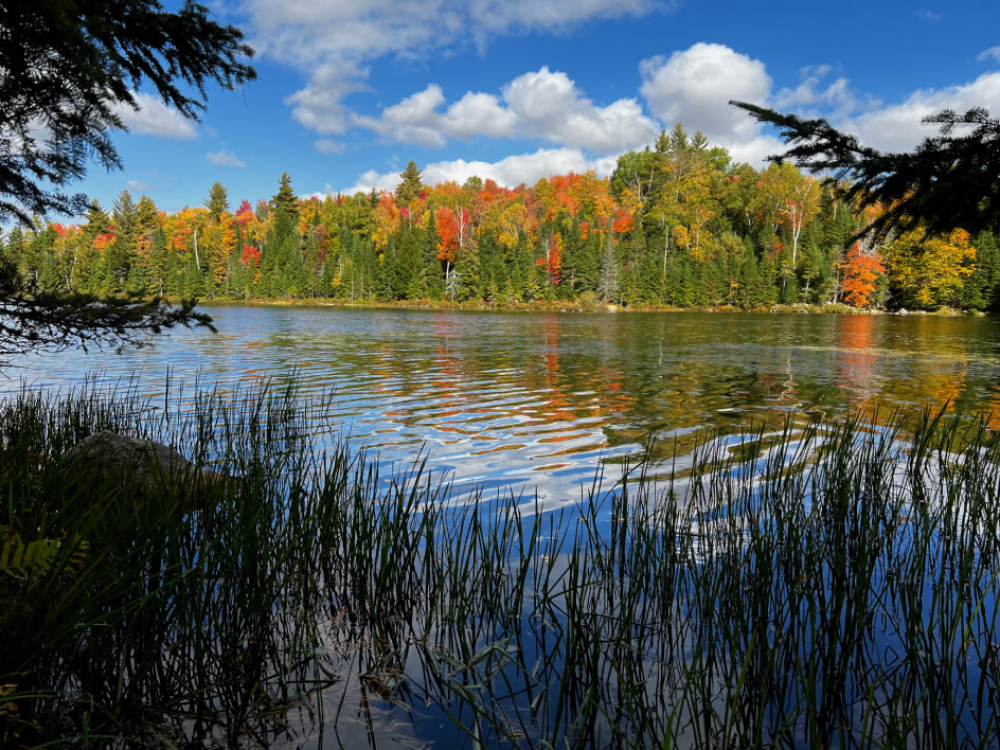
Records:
x=981, y=290
x=950, y=181
x=410, y=187
x=217, y=202
x=86, y=263
x=284, y=201
x=607, y=287
x=120, y=253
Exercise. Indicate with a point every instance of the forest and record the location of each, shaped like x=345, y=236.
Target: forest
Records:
x=678, y=224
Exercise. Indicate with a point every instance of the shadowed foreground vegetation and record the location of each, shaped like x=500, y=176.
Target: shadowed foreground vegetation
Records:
x=825, y=586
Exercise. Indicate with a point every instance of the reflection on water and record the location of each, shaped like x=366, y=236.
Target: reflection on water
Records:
x=538, y=401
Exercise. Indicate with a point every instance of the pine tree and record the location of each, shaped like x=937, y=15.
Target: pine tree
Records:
x=70, y=68
x=121, y=252
x=85, y=265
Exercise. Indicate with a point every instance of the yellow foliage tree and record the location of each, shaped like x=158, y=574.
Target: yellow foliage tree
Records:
x=927, y=271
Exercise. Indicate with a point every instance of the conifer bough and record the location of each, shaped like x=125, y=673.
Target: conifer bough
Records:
x=951, y=180
x=68, y=68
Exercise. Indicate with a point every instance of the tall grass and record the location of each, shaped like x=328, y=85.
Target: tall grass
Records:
x=819, y=586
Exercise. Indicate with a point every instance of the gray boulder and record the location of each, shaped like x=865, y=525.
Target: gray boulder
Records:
x=111, y=460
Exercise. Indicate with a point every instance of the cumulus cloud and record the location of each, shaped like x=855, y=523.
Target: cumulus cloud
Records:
x=413, y=120
x=694, y=86
x=479, y=114
x=508, y=172
x=334, y=41
x=542, y=104
x=155, y=118
x=225, y=159
x=319, y=106
x=898, y=127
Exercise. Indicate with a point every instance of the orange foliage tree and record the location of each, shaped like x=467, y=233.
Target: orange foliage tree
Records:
x=862, y=270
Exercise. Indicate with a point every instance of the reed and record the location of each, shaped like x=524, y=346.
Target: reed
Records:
x=815, y=585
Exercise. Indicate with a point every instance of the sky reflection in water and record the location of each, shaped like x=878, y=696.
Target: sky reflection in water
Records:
x=539, y=402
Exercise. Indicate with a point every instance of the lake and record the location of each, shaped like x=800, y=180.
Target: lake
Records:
x=539, y=402
x=781, y=606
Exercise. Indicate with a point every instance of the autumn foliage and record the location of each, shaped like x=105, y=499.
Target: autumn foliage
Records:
x=676, y=224
x=861, y=274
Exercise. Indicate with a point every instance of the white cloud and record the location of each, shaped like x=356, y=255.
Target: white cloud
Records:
x=993, y=53
x=836, y=96
x=754, y=151
x=138, y=185
x=694, y=87
x=319, y=106
x=479, y=114
x=413, y=120
x=334, y=41
x=225, y=159
x=508, y=172
x=550, y=106
x=929, y=15
x=543, y=104
x=898, y=127
x=155, y=118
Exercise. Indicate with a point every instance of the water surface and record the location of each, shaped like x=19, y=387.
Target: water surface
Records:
x=539, y=401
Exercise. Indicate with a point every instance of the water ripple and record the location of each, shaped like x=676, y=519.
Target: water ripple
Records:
x=539, y=403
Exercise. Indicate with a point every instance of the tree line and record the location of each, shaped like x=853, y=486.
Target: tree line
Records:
x=678, y=223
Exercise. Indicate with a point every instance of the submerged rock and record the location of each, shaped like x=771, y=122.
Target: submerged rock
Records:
x=109, y=459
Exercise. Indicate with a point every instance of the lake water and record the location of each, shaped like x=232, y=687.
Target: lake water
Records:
x=537, y=402
x=540, y=403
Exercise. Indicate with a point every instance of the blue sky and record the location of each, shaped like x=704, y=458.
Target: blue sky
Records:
x=513, y=90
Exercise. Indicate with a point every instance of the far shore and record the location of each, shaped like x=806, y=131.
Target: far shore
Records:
x=576, y=307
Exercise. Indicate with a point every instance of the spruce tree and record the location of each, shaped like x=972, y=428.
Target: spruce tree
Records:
x=284, y=200
x=410, y=188
x=217, y=202
x=70, y=68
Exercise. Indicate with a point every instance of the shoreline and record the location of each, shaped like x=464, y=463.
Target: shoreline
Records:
x=569, y=307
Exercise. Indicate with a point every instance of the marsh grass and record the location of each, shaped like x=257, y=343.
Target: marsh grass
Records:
x=811, y=586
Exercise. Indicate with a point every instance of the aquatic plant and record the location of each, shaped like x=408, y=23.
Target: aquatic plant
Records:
x=831, y=585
